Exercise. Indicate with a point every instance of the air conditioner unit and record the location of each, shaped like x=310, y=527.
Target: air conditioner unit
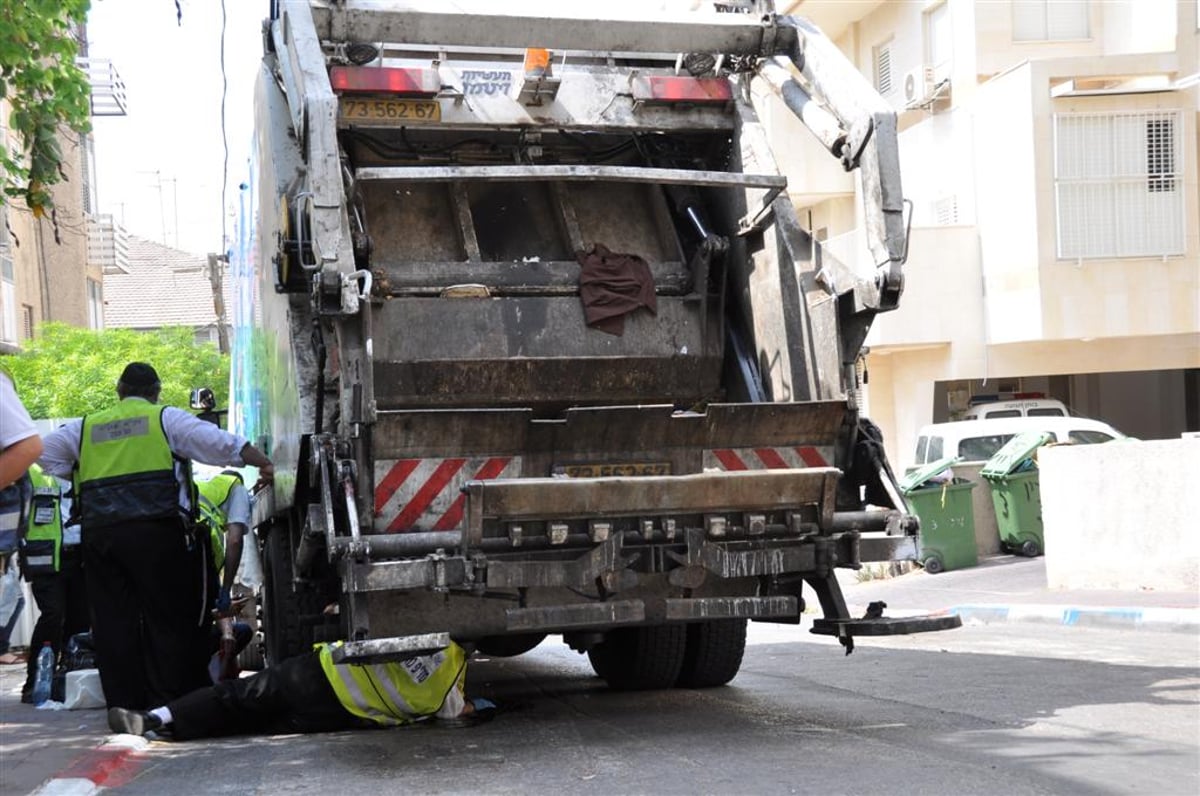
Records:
x=918, y=84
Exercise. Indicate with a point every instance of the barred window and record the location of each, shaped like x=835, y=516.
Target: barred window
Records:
x=1118, y=191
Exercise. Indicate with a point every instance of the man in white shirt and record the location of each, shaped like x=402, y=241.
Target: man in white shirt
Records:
x=145, y=567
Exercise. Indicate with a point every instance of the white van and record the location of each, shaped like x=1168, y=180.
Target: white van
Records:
x=978, y=440
x=1028, y=407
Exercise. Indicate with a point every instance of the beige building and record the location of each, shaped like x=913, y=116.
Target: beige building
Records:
x=51, y=268
x=1049, y=149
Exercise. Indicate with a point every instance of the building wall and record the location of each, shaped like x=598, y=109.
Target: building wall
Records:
x=1114, y=519
x=51, y=274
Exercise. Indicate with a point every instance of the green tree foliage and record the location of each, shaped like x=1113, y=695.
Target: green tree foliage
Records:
x=67, y=371
x=44, y=90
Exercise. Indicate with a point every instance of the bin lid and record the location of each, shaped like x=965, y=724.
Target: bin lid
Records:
x=1015, y=452
x=922, y=474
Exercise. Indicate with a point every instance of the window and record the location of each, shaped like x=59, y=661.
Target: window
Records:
x=978, y=449
x=945, y=210
x=883, y=67
x=1003, y=413
x=1050, y=20
x=27, y=316
x=1088, y=437
x=939, y=40
x=1052, y=412
x=1117, y=184
x=95, y=305
x=8, y=300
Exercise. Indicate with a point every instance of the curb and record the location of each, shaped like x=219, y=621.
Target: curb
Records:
x=1169, y=620
x=109, y=765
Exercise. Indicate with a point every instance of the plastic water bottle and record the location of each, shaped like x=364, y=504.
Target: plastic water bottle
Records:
x=45, y=673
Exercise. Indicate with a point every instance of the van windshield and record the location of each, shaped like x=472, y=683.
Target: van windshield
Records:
x=1003, y=413
x=1051, y=412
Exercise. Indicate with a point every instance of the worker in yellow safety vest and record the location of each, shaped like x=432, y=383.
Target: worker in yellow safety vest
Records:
x=53, y=565
x=224, y=506
x=313, y=693
x=145, y=566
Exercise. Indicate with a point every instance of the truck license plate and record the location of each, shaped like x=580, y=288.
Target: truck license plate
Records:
x=613, y=470
x=391, y=110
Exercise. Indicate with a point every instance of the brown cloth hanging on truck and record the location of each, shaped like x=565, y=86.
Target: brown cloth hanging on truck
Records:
x=613, y=285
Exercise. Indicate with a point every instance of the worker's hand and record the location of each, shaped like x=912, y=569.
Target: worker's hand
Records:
x=223, y=605
x=266, y=477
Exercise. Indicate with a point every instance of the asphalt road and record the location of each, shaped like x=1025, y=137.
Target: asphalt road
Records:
x=1018, y=709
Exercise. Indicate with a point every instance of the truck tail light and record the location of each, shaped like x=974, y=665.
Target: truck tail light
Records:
x=385, y=80
x=690, y=90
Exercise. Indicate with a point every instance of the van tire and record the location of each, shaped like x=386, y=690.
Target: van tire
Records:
x=640, y=658
x=713, y=654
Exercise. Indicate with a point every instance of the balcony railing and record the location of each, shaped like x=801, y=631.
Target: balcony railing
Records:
x=108, y=89
x=107, y=245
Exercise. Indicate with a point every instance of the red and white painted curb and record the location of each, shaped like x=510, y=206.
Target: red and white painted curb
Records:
x=110, y=765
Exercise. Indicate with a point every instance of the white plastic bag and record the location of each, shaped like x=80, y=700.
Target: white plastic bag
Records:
x=84, y=691
x=10, y=601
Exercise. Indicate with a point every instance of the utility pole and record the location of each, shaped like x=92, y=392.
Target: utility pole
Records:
x=215, y=264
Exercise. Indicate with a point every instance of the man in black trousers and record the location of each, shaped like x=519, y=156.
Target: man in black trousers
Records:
x=144, y=563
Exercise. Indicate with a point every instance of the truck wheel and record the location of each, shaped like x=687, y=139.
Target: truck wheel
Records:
x=1030, y=549
x=640, y=658
x=284, y=607
x=714, y=653
x=933, y=565
x=509, y=646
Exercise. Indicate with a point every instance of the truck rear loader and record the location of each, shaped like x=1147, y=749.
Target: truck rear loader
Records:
x=539, y=346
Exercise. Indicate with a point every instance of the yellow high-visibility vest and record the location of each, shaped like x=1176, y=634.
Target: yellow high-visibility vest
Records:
x=397, y=693
x=126, y=469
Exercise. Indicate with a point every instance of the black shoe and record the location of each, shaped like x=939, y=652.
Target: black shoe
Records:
x=26, y=697
x=133, y=722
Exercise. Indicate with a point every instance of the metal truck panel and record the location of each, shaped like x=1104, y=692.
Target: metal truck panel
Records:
x=481, y=24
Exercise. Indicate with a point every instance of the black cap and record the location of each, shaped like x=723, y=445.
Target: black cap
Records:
x=139, y=374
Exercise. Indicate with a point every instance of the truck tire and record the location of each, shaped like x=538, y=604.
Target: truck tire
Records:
x=284, y=608
x=714, y=653
x=509, y=646
x=640, y=658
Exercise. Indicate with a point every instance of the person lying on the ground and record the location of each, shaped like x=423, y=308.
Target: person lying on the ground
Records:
x=311, y=693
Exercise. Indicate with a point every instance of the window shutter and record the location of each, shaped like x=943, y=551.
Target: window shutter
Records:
x=883, y=68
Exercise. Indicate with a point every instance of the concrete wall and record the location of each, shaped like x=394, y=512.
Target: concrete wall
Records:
x=1122, y=515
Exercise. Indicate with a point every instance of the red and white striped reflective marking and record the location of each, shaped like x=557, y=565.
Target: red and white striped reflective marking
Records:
x=730, y=459
x=423, y=494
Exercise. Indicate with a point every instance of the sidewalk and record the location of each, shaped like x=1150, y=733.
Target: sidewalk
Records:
x=1012, y=589
x=38, y=744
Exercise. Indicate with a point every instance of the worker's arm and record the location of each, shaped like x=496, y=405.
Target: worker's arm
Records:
x=256, y=458
x=200, y=441
x=234, y=533
x=16, y=458
x=236, y=509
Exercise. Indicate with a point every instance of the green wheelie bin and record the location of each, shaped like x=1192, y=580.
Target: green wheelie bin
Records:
x=1013, y=476
x=943, y=505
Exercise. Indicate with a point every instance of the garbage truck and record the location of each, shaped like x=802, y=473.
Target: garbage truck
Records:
x=538, y=345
